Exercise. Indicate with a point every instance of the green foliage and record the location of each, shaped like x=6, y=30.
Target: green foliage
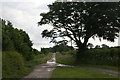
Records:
x=71, y=52
x=35, y=51
x=38, y=59
x=104, y=56
x=46, y=50
x=18, y=55
x=101, y=56
x=62, y=48
x=42, y=58
x=65, y=58
x=15, y=40
x=57, y=48
x=13, y=64
x=25, y=51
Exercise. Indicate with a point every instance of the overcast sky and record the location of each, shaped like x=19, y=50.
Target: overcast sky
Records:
x=24, y=14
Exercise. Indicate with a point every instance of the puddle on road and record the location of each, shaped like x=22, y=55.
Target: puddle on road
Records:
x=61, y=65
x=52, y=62
x=50, y=69
x=38, y=70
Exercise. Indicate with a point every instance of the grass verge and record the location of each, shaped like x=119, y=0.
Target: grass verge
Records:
x=65, y=59
x=74, y=72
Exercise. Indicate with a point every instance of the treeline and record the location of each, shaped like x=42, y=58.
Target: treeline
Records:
x=14, y=39
x=57, y=48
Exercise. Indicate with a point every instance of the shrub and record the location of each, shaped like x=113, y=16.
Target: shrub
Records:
x=13, y=64
x=104, y=56
x=65, y=59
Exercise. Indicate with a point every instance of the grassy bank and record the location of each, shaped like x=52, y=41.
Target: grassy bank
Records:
x=70, y=59
x=15, y=66
x=73, y=72
x=65, y=59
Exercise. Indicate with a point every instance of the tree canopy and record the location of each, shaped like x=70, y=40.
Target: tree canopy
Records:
x=80, y=21
x=14, y=39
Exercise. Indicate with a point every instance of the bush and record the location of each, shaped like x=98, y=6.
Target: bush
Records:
x=42, y=58
x=104, y=56
x=13, y=64
x=71, y=52
x=65, y=58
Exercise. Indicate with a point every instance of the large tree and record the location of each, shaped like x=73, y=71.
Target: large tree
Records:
x=80, y=21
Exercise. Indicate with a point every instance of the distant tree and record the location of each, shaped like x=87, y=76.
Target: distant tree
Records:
x=63, y=42
x=46, y=50
x=62, y=48
x=80, y=21
x=104, y=46
x=35, y=51
x=90, y=45
x=97, y=46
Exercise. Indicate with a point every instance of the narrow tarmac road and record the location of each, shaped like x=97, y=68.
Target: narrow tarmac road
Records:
x=43, y=70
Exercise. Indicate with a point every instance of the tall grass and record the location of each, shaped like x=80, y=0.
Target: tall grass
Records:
x=65, y=58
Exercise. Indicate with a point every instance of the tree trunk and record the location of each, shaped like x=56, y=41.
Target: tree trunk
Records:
x=80, y=53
